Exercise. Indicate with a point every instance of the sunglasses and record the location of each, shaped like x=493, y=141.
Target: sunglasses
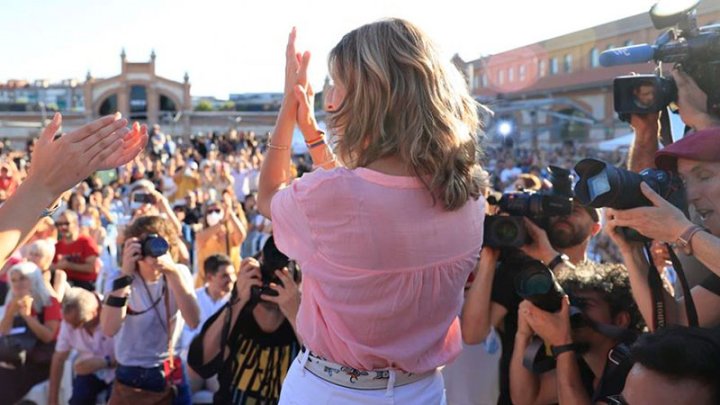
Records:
x=214, y=211
x=59, y=224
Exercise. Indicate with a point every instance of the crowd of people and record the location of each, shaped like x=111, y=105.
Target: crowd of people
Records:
x=227, y=269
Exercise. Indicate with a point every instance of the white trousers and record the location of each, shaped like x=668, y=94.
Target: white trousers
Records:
x=302, y=387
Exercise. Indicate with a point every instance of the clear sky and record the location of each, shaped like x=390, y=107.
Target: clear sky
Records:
x=237, y=46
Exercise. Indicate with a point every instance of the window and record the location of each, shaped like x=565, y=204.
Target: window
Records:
x=541, y=68
x=484, y=80
x=501, y=77
x=522, y=73
x=567, y=64
x=511, y=75
x=553, y=66
x=594, y=58
x=628, y=42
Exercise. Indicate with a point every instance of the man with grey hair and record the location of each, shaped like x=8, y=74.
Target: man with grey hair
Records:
x=96, y=358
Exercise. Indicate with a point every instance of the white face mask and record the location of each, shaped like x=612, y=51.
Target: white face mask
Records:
x=214, y=218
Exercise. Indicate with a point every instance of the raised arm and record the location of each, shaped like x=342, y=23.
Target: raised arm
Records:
x=275, y=171
x=57, y=165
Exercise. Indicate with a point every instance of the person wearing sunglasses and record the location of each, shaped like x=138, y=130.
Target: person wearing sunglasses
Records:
x=76, y=254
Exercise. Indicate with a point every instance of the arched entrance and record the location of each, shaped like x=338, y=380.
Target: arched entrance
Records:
x=138, y=103
x=109, y=105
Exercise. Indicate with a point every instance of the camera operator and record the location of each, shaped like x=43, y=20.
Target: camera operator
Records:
x=602, y=293
x=696, y=158
x=143, y=311
x=250, y=343
x=492, y=299
x=677, y=365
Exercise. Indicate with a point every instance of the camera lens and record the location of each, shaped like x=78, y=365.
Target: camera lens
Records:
x=154, y=246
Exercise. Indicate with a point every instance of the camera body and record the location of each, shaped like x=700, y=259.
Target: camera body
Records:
x=271, y=259
x=604, y=185
x=695, y=49
x=143, y=198
x=508, y=231
x=154, y=245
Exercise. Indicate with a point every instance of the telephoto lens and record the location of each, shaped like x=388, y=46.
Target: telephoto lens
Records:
x=154, y=245
x=537, y=284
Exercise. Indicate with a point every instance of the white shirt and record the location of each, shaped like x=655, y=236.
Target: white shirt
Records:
x=87, y=346
x=508, y=175
x=208, y=308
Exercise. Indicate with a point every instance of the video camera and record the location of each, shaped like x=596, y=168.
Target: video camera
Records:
x=271, y=259
x=695, y=49
x=504, y=231
x=604, y=185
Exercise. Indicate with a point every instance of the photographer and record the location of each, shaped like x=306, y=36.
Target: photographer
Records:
x=696, y=159
x=142, y=312
x=250, y=327
x=492, y=299
x=675, y=366
x=602, y=293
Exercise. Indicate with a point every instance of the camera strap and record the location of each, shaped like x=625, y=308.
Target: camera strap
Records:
x=690, y=309
x=656, y=292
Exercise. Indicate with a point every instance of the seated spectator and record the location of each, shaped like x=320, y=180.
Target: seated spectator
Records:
x=32, y=311
x=93, y=368
x=610, y=319
x=219, y=280
x=676, y=365
x=76, y=254
x=41, y=252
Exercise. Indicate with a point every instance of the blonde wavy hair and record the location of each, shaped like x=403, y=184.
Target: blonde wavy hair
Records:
x=403, y=100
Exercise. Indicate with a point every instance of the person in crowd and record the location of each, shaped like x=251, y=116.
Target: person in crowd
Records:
x=696, y=158
x=75, y=254
x=151, y=295
x=219, y=280
x=492, y=299
x=32, y=312
x=223, y=233
x=358, y=225
x=41, y=252
x=95, y=361
x=678, y=365
x=610, y=321
x=187, y=180
x=245, y=328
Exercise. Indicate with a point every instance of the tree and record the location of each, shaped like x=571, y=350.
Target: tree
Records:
x=204, y=105
x=228, y=106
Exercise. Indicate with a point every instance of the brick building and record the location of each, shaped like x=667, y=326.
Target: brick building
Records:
x=537, y=86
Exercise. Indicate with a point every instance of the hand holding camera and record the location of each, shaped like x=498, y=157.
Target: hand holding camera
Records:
x=248, y=277
x=553, y=327
x=539, y=248
x=662, y=221
x=288, y=295
x=132, y=252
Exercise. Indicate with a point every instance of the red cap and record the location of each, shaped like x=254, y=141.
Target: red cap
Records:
x=701, y=145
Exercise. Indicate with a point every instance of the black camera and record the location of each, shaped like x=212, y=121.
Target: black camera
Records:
x=154, y=245
x=509, y=231
x=537, y=284
x=695, y=49
x=271, y=259
x=604, y=185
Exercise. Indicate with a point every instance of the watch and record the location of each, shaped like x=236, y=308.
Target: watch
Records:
x=558, y=350
x=560, y=258
x=685, y=239
x=116, y=302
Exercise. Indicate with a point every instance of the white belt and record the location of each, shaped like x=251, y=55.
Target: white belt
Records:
x=349, y=377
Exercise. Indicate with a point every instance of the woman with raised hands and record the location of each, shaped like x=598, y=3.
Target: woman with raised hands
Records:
x=60, y=163
x=388, y=231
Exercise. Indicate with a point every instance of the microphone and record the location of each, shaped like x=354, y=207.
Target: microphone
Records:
x=627, y=55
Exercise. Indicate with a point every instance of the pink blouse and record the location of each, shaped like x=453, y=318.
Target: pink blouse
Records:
x=383, y=267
